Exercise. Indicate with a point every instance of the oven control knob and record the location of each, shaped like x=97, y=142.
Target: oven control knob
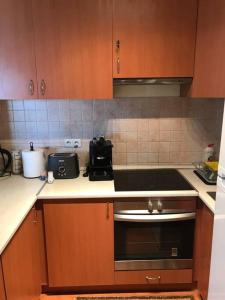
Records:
x=159, y=206
x=150, y=206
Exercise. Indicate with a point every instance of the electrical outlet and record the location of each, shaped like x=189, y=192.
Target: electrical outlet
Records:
x=72, y=143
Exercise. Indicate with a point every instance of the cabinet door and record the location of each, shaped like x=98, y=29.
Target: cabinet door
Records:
x=203, y=247
x=156, y=38
x=210, y=50
x=17, y=58
x=20, y=262
x=2, y=287
x=74, y=48
x=79, y=241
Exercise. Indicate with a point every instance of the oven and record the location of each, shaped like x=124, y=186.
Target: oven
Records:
x=156, y=233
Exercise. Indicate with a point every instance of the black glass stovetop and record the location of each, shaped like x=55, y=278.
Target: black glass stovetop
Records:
x=150, y=180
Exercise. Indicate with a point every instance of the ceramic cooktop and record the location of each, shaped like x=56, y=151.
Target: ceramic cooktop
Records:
x=150, y=180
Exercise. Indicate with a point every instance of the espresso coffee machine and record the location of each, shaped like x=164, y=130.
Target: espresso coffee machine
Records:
x=100, y=160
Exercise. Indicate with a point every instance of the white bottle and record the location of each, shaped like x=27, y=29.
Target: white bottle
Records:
x=208, y=154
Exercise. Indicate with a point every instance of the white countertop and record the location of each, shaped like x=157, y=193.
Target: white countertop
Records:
x=18, y=195
x=81, y=187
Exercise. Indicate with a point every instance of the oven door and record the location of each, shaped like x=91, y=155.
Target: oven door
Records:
x=153, y=240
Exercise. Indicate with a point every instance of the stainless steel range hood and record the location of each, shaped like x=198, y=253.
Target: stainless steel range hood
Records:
x=149, y=87
x=153, y=81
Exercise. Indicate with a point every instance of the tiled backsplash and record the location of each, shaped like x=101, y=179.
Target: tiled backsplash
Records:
x=143, y=131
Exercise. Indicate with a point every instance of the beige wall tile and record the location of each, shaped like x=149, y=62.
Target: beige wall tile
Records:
x=165, y=136
x=164, y=157
x=154, y=147
x=164, y=147
x=120, y=147
x=132, y=147
x=143, y=131
x=143, y=147
x=143, y=136
x=132, y=158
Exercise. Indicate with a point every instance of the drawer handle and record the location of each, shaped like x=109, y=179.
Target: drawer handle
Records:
x=150, y=278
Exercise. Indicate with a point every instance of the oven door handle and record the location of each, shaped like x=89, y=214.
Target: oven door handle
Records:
x=155, y=218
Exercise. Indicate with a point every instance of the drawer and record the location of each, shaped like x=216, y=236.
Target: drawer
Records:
x=154, y=277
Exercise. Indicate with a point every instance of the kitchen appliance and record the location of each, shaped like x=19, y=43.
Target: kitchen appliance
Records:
x=150, y=180
x=64, y=165
x=153, y=81
x=100, y=160
x=154, y=233
x=217, y=270
x=5, y=162
x=33, y=162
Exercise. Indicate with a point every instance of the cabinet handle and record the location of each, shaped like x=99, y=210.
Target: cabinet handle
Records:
x=118, y=56
x=43, y=87
x=35, y=219
x=118, y=65
x=31, y=87
x=107, y=210
x=150, y=278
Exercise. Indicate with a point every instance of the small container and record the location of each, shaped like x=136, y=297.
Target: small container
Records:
x=208, y=154
x=17, y=166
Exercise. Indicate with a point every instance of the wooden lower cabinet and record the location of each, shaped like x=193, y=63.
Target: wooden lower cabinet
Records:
x=203, y=247
x=153, y=277
x=79, y=243
x=2, y=285
x=21, y=262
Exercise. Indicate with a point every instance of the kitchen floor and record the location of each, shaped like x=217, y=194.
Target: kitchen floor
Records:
x=195, y=294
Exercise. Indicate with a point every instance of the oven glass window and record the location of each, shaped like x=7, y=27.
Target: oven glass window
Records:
x=149, y=241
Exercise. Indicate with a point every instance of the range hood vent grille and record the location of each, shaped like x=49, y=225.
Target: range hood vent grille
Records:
x=153, y=81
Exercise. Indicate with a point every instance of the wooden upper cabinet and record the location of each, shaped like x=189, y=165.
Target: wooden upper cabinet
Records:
x=2, y=287
x=79, y=242
x=21, y=262
x=17, y=58
x=209, y=79
x=73, y=48
x=154, y=38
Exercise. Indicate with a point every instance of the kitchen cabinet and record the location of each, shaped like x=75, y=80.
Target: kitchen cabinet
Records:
x=21, y=262
x=2, y=286
x=79, y=243
x=73, y=48
x=203, y=247
x=210, y=48
x=17, y=54
x=154, y=38
x=153, y=277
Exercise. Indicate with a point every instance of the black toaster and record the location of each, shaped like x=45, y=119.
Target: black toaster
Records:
x=64, y=165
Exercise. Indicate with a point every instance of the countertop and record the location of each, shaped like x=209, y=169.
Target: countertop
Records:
x=18, y=195
x=81, y=187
